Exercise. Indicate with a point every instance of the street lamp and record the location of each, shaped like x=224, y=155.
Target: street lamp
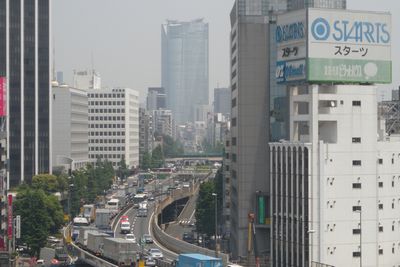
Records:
x=216, y=225
x=359, y=211
x=311, y=232
x=69, y=200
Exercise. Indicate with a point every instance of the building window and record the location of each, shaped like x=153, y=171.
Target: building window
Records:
x=233, y=141
x=380, y=206
x=234, y=86
x=356, y=208
x=356, y=162
x=356, y=185
x=356, y=231
x=380, y=161
x=380, y=251
x=233, y=122
x=380, y=228
x=234, y=102
x=356, y=103
x=380, y=184
x=227, y=155
x=234, y=157
x=356, y=254
x=227, y=143
x=356, y=139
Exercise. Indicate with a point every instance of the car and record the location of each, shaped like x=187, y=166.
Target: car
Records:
x=124, y=218
x=147, y=239
x=155, y=253
x=151, y=198
x=40, y=262
x=150, y=262
x=188, y=237
x=130, y=237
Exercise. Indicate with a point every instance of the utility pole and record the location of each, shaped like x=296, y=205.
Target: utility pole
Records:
x=216, y=225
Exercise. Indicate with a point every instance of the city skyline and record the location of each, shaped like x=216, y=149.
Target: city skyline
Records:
x=128, y=67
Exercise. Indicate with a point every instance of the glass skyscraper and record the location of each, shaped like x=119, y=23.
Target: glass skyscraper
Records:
x=299, y=4
x=185, y=67
x=25, y=62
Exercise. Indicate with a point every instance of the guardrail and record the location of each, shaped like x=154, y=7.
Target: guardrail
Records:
x=172, y=243
x=86, y=256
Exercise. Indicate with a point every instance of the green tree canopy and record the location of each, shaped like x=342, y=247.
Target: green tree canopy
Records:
x=47, y=182
x=41, y=215
x=205, y=209
x=157, y=157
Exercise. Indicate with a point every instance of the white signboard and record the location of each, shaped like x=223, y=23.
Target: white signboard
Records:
x=349, y=46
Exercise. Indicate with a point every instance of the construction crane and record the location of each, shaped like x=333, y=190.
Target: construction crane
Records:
x=251, y=239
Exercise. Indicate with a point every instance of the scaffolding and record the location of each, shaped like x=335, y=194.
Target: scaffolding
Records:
x=390, y=112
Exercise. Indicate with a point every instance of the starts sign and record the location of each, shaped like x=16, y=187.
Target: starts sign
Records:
x=337, y=46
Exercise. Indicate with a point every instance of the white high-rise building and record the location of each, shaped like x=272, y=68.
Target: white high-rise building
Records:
x=114, y=125
x=335, y=185
x=70, y=127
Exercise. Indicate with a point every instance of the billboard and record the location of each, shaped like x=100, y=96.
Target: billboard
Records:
x=291, y=40
x=3, y=96
x=341, y=46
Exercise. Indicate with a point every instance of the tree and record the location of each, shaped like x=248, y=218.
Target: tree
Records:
x=41, y=214
x=205, y=209
x=146, y=161
x=123, y=170
x=171, y=148
x=47, y=182
x=157, y=158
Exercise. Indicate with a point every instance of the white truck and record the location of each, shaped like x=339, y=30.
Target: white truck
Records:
x=120, y=251
x=103, y=218
x=95, y=242
x=142, y=211
x=83, y=235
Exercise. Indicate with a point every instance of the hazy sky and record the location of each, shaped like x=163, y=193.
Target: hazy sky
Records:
x=124, y=37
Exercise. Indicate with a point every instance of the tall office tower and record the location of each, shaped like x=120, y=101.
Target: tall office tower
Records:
x=300, y=4
x=87, y=80
x=25, y=62
x=334, y=182
x=222, y=101
x=70, y=127
x=114, y=125
x=146, y=133
x=184, y=71
x=156, y=99
x=250, y=81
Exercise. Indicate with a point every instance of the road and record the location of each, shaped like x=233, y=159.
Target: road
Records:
x=141, y=226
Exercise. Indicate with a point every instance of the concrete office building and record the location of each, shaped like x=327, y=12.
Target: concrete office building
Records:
x=87, y=80
x=333, y=194
x=25, y=61
x=146, y=133
x=163, y=122
x=249, y=121
x=222, y=101
x=114, y=125
x=184, y=73
x=156, y=99
x=70, y=127
x=338, y=166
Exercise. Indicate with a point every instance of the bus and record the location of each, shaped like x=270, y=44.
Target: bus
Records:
x=113, y=204
x=139, y=198
x=142, y=212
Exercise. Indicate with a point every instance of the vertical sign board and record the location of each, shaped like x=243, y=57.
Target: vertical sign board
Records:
x=3, y=97
x=10, y=217
x=261, y=209
x=291, y=40
x=18, y=227
x=349, y=46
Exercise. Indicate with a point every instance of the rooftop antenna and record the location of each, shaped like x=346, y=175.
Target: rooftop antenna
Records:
x=54, y=60
x=92, y=61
